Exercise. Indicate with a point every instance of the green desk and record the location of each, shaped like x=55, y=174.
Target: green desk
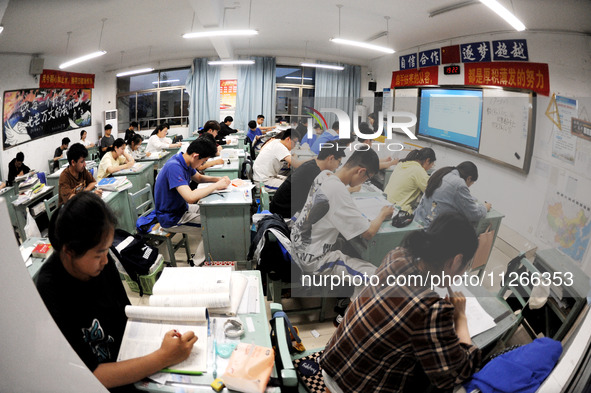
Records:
x=260, y=336
x=158, y=162
x=9, y=193
x=119, y=203
x=232, y=170
x=21, y=209
x=574, y=296
x=226, y=225
x=36, y=262
x=139, y=177
x=54, y=179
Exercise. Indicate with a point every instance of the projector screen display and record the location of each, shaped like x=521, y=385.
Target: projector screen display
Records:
x=451, y=115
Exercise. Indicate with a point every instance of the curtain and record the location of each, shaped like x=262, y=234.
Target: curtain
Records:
x=203, y=86
x=256, y=92
x=337, y=89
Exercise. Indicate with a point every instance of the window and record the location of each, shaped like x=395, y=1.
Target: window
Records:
x=153, y=98
x=294, y=91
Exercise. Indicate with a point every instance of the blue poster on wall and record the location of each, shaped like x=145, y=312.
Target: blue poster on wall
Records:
x=431, y=57
x=408, y=62
x=514, y=50
x=475, y=52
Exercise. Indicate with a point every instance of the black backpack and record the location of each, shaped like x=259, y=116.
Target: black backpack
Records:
x=134, y=254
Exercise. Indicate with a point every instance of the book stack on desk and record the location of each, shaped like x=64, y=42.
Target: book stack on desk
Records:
x=118, y=183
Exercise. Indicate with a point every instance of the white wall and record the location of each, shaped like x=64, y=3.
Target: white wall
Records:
x=521, y=197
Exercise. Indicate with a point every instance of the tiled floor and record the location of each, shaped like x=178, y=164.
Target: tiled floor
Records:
x=308, y=322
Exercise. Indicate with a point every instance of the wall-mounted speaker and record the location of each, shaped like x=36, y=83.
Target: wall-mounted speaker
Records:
x=36, y=66
x=372, y=86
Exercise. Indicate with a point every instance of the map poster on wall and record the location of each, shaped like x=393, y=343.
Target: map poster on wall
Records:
x=565, y=220
x=34, y=113
x=228, y=94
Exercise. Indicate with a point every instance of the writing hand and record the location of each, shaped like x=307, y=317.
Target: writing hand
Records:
x=387, y=211
x=488, y=206
x=223, y=183
x=175, y=349
x=459, y=302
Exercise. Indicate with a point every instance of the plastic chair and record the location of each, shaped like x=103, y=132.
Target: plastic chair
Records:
x=51, y=205
x=265, y=200
x=142, y=204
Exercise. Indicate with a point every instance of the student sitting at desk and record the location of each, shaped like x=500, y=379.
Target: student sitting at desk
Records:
x=448, y=191
x=212, y=128
x=326, y=137
x=289, y=200
x=83, y=141
x=260, y=121
x=133, y=147
x=106, y=141
x=404, y=338
x=213, y=162
x=176, y=203
x=115, y=160
x=330, y=211
x=254, y=136
x=59, y=152
x=225, y=130
x=158, y=140
x=75, y=178
x=308, y=141
x=364, y=128
x=409, y=179
x=17, y=167
x=83, y=292
x=269, y=162
x=130, y=132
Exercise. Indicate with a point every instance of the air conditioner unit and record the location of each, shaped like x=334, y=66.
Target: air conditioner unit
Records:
x=111, y=118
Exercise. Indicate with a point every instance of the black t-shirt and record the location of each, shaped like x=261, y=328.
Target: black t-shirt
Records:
x=288, y=200
x=58, y=153
x=90, y=314
x=224, y=131
x=129, y=133
x=13, y=171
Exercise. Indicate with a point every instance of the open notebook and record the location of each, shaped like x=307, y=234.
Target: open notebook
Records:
x=217, y=288
x=146, y=327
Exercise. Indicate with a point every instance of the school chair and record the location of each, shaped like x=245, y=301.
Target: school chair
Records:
x=265, y=200
x=51, y=205
x=142, y=204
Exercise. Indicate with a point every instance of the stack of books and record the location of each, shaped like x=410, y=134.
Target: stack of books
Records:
x=118, y=183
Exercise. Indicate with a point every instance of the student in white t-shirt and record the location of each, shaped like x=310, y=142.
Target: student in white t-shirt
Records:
x=330, y=212
x=269, y=162
x=158, y=140
x=83, y=140
x=133, y=147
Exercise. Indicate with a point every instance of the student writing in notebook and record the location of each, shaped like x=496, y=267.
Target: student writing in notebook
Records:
x=76, y=178
x=81, y=288
x=115, y=160
x=403, y=338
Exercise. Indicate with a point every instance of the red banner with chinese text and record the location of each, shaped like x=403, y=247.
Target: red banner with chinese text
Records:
x=414, y=77
x=519, y=75
x=54, y=79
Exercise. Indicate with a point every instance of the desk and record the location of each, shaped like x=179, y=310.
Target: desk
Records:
x=158, y=162
x=260, y=336
x=575, y=295
x=138, y=177
x=36, y=262
x=21, y=209
x=303, y=153
x=226, y=225
x=232, y=170
x=54, y=179
x=9, y=193
x=118, y=201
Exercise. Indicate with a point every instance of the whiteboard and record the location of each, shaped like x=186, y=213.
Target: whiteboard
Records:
x=406, y=100
x=506, y=124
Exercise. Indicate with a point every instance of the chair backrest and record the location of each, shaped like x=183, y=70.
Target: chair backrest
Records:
x=288, y=373
x=521, y=273
x=264, y=197
x=51, y=205
x=141, y=202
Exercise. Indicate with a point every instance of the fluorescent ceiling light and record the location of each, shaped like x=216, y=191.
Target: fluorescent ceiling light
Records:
x=220, y=33
x=81, y=59
x=167, y=81
x=282, y=89
x=362, y=45
x=316, y=65
x=1, y=29
x=298, y=77
x=133, y=72
x=504, y=13
x=230, y=62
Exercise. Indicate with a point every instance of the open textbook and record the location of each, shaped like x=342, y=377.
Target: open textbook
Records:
x=217, y=288
x=146, y=327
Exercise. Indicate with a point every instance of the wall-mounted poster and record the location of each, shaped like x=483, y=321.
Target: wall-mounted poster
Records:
x=228, y=94
x=34, y=113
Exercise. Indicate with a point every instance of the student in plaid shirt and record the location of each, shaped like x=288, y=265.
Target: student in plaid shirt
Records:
x=405, y=338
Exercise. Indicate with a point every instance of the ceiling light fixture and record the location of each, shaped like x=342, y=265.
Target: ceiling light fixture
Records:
x=328, y=66
x=298, y=77
x=166, y=81
x=364, y=45
x=231, y=62
x=1, y=29
x=133, y=72
x=85, y=57
x=282, y=89
x=504, y=13
x=220, y=33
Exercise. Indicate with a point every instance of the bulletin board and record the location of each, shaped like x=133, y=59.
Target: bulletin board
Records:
x=507, y=125
x=35, y=113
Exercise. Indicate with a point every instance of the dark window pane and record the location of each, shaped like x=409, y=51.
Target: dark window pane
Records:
x=173, y=78
x=309, y=76
x=143, y=81
x=125, y=114
x=146, y=110
x=291, y=75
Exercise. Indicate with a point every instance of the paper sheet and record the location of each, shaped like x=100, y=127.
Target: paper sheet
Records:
x=371, y=206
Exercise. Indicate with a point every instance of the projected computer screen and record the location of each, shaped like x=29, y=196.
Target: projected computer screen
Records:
x=451, y=115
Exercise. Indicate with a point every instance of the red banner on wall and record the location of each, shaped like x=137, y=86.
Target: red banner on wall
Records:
x=54, y=79
x=519, y=75
x=414, y=77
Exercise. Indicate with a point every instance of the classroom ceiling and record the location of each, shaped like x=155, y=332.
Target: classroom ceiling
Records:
x=143, y=32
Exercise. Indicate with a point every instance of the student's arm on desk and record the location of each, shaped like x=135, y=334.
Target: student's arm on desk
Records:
x=129, y=158
x=374, y=225
x=296, y=162
x=173, y=350
x=209, y=164
x=387, y=162
x=193, y=196
x=199, y=178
